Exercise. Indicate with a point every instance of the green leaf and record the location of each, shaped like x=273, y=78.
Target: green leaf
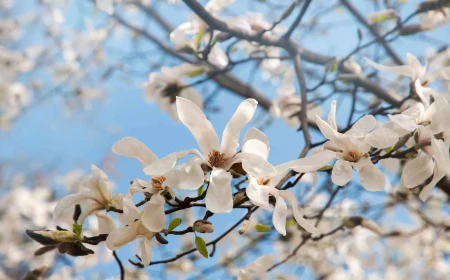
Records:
x=382, y=18
x=333, y=67
x=196, y=72
x=388, y=149
x=291, y=222
x=77, y=229
x=174, y=223
x=325, y=168
x=198, y=38
x=200, y=244
x=262, y=228
x=200, y=190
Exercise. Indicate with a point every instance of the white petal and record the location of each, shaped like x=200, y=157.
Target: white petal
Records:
x=146, y=251
x=441, y=119
x=99, y=185
x=256, y=147
x=106, y=223
x=326, y=129
x=257, y=166
x=153, y=216
x=65, y=203
x=197, y=123
x=219, y=198
x=279, y=215
x=404, y=70
x=332, y=116
x=89, y=209
x=363, y=126
x=297, y=215
x=130, y=211
x=439, y=173
x=258, y=195
x=441, y=154
x=313, y=162
x=403, y=121
x=133, y=148
x=122, y=236
x=342, y=172
x=191, y=94
x=230, y=137
x=416, y=171
x=381, y=138
x=370, y=177
x=191, y=175
x=167, y=163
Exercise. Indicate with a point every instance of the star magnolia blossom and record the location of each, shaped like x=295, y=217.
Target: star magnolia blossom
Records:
x=258, y=268
x=412, y=69
x=262, y=185
x=432, y=124
x=165, y=86
x=135, y=228
x=187, y=176
x=352, y=149
x=215, y=156
x=195, y=25
x=95, y=197
x=288, y=105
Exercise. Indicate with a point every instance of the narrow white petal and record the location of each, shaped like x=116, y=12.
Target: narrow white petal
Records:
x=326, y=129
x=133, y=148
x=441, y=154
x=153, y=216
x=197, y=123
x=403, y=121
x=146, y=251
x=404, y=70
x=65, y=203
x=370, y=177
x=297, y=215
x=167, y=163
x=122, y=236
x=313, y=162
x=439, y=173
x=257, y=147
x=106, y=223
x=230, y=137
x=219, y=197
x=332, y=116
x=191, y=94
x=416, y=171
x=342, y=172
x=191, y=175
x=279, y=215
x=381, y=138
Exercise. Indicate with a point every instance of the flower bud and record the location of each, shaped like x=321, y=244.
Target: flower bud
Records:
x=239, y=198
x=203, y=226
x=51, y=237
x=351, y=222
x=245, y=226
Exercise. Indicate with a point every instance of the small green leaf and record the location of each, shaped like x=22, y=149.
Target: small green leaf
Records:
x=77, y=229
x=326, y=167
x=174, y=223
x=388, y=149
x=291, y=222
x=261, y=228
x=200, y=190
x=198, y=38
x=201, y=246
x=334, y=67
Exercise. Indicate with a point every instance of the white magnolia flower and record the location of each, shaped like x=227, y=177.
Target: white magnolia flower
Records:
x=432, y=124
x=288, y=105
x=257, y=268
x=262, y=185
x=195, y=26
x=165, y=86
x=352, y=149
x=413, y=69
x=95, y=197
x=215, y=156
x=434, y=18
x=187, y=176
x=135, y=228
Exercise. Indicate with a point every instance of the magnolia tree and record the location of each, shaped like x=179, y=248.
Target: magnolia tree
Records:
x=363, y=191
